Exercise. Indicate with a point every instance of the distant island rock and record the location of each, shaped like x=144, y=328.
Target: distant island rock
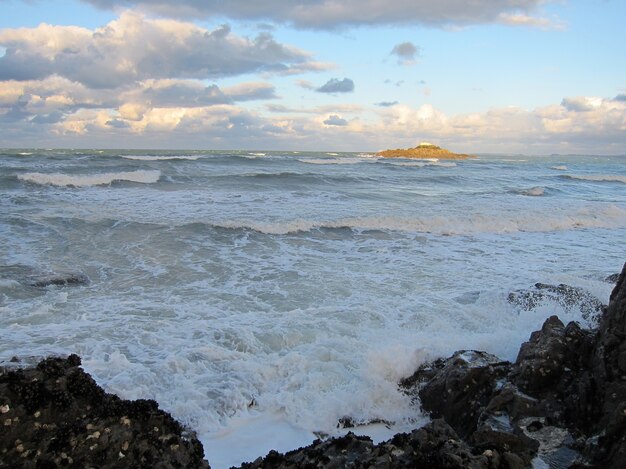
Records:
x=423, y=150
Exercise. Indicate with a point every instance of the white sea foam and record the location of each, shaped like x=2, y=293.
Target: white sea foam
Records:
x=161, y=158
x=602, y=217
x=599, y=178
x=560, y=168
x=423, y=162
x=83, y=180
x=344, y=160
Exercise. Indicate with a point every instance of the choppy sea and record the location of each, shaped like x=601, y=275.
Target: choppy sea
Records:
x=261, y=296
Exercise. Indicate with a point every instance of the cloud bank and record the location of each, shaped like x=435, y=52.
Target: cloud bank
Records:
x=134, y=48
x=330, y=14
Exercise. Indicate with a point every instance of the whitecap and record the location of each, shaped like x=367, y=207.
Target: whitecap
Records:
x=599, y=178
x=534, y=191
x=591, y=217
x=559, y=168
x=160, y=158
x=344, y=160
x=84, y=180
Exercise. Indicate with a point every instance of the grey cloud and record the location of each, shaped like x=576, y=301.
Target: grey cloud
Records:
x=183, y=94
x=620, y=97
x=51, y=118
x=134, y=48
x=387, y=103
x=335, y=85
x=118, y=124
x=251, y=92
x=335, y=120
x=576, y=104
x=329, y=14
x=406, y=52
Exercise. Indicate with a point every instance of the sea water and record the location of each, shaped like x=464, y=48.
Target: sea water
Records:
x=262, y=296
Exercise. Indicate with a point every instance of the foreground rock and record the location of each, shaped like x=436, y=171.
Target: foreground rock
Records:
x=423, y=150
x=563, y=400
x=55, y=415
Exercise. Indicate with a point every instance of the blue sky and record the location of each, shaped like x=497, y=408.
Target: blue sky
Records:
x=522, y=76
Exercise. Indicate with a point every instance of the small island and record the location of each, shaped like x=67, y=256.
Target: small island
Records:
x=423, y=150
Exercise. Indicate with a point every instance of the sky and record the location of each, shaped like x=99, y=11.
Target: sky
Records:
x=490, y=76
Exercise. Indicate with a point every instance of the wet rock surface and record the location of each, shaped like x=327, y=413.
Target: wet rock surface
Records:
x=32, y=277
x=55, y=415
x=568, y=297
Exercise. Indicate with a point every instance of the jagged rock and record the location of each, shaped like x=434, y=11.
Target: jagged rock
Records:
x=434, y=446
x=569, y=298
x=460, y=387
x=609, y=374
x=55, y=415
x=612, y=278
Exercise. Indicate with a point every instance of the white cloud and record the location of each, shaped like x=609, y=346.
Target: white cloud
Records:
x=328, y=14
x=134, y=48
x=521, y=19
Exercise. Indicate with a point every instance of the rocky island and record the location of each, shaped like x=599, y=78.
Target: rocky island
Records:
x=562, y=403
x=422, y=151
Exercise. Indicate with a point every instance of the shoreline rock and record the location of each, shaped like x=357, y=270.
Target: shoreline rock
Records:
x=55, y=415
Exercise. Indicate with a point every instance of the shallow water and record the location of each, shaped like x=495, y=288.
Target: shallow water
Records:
x=261, y=296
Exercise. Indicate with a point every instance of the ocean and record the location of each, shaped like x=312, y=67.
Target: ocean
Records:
x=260, y=297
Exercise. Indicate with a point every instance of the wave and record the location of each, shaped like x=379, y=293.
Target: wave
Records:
x=559, y=168
x=423, y=163
x=533, y=191
x=598, y=178
x=345, y=160
x=84, y=180
x=608, y=217
x=161, y=158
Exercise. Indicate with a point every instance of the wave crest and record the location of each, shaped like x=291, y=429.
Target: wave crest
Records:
x=607, y=217
x=85, y=180
x=598, y=178
x=160, y=158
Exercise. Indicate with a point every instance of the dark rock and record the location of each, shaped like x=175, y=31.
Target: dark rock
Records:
x=30, y=276
x=461, y=387
x=612, y=278
x=609, y=377
x=569, y=298
x=435, y=446
x=60, y=280
x=55, y=415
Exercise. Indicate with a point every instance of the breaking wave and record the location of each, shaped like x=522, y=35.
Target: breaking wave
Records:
x=598, y=178
x=607, y=217
x=84, y=180
x=533, y=191
x=161, y=158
